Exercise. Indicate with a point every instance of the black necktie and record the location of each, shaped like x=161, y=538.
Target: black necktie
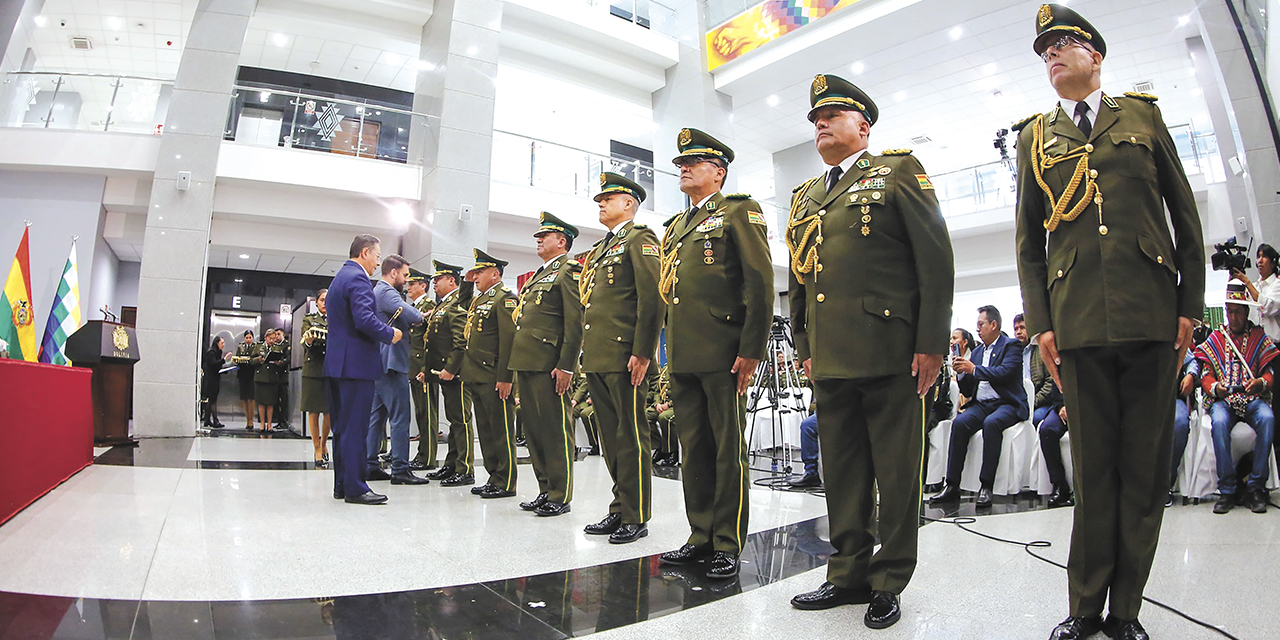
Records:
x=1082, y=119
x=833, y=178
x=607, y=238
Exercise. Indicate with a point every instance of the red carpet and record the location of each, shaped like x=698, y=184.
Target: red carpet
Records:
x=46, y=430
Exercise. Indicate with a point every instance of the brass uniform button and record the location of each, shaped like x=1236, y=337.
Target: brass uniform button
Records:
x=1093, y=173
x=1133, y=140
x=676, y=301
x=819, y=267
x=619, y=338
x=588, y=326
x=819, y=240
x=886, y=313
x=1059, y=273
x=1102, y=229
x=1159, y=259
x=679, y=244
x=1088, y=148
x=822, y=212
x=821, y=297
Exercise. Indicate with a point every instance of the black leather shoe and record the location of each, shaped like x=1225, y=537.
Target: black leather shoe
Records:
x=549, y=509
x=807, y=480
x=497, y=492
x=723, y=565
x=441, y=473
x=1076, y=628
x=338, y=495
x=828, y=596
x=420, y=465
x=605, y=527
x=949, y=493
x=984, y=497
x=933, y=488
x=1257, y=501
x=883, y=611
x=533, y=504
x=368, y=498
x=628, y=533
x=458, y=480
x=1224, y=503
x=481, y=489
x=686, y=555
x=1168, y=502
x=407, y=477
x=1125, y=629
x=1062, y=497
x=377, y=474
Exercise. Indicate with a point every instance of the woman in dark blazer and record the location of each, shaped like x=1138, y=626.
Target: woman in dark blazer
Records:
x=211, y=384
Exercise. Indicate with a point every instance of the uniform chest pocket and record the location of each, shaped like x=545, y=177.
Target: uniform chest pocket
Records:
x=1133, y=155
x=1060, y=265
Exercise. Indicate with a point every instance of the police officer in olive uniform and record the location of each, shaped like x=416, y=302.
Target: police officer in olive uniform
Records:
x=544, y=356
x=659, y=412
x=446, y=348
x=622, y=320
x=584, y=408
x=487, y=376
x=315, y=389
x=423, y=402
x=269, y=356
x=717, y=281
x=871, y=284
x=284, y=407
x=245, y=371
x=1113, y=296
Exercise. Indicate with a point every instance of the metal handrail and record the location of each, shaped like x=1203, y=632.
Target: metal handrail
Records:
x=88, y=75
x=579, y=150
x=311, y=96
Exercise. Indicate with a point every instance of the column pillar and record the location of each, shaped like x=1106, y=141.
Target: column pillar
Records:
x=176, y=245
x=457, y=86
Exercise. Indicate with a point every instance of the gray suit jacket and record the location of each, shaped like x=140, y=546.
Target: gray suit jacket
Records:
x=395, y=357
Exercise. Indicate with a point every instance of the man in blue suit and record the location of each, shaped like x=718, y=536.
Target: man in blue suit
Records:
x=351, y=365
x=993, y=378
x=391, y=391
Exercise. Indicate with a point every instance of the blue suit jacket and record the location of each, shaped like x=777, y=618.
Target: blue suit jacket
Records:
x=354, y=327
x=395, y=357
x=1004, y=374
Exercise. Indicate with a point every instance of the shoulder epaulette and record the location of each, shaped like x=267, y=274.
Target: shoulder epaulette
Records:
x=737, y=196
x=806, y=183
x=639, y=226
x=1017, y=126
x=670, y=220
x=1146, y=97
x=896, y=152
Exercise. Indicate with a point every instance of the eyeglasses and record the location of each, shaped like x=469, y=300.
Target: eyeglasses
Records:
x=693, y=161
x=1063, y=43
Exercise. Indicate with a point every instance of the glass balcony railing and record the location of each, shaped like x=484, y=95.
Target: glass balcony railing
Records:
x=84, y=101
x=530, y=162
x=275, y=117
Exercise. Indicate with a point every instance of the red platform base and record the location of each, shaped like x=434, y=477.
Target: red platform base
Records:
x=46, y=430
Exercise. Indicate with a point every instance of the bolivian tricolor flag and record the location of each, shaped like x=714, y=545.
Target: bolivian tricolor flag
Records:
x=17, y=317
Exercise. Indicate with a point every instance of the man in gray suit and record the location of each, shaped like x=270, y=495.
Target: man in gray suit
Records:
x=391, y=390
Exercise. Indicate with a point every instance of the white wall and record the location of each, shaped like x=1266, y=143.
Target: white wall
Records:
x=126, y=286
x=58, y=207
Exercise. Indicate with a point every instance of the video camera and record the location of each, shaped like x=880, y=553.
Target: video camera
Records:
x=1230, y=255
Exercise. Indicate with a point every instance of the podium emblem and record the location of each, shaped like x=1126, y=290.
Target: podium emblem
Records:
x=120, y=338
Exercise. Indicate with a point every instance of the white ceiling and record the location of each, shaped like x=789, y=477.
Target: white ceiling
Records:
x=129, y=37
x=926, y=82
x=231, y=259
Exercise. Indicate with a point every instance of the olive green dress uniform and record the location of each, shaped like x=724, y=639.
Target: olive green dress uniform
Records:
x=245, y=370
x=583, y=409
x=425, y=410
x=446, y=344
x=284, y=408
x=717, y=281
x=871, y=284
x=489, y=332
x=269, y=374
x=622, y=318
x=662, y=438
x=315, y=391
x=1102, y=272
x=549, y=336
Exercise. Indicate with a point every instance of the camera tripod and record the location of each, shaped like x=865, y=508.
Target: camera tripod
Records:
x=774, y=393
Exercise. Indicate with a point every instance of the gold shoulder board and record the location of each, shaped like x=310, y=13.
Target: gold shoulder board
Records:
x=896, y=152
x=738, y=196
x=1146, y=97
x=670, y=220
x=640, y=226
x=1017, y=126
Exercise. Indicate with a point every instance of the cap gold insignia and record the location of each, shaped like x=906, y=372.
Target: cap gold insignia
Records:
x=603, y=180
x=1045, y=16
x=819, y=84
x=686, y=137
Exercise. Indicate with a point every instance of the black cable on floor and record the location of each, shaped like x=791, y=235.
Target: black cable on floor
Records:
x=961, y=521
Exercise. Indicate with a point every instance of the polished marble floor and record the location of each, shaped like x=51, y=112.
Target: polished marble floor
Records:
x=239, y=538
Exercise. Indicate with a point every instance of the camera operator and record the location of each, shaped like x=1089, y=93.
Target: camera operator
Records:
x=1267, y=290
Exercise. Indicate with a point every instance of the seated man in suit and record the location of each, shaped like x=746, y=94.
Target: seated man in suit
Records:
x=993, y=378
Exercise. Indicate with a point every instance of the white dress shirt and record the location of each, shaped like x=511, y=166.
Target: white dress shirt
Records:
x=1094, y=100
x=986, y=392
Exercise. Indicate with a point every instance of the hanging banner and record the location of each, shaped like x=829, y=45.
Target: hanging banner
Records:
x=763, y=24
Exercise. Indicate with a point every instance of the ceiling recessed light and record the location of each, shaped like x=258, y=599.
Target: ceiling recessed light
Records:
x=472, y=50
x=114, y=22
x=244, y=256
x=956, y=32
x=239, y=279
x=41, y=21
x=264, y=96
x=857, y=67
x=280, y=39
x=772, y=100
x=1184, y=21
x=900, y=96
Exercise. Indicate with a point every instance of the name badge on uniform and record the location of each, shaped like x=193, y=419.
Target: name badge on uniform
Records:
x=710, y=224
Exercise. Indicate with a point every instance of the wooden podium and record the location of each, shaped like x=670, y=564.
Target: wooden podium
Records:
x=109, y=350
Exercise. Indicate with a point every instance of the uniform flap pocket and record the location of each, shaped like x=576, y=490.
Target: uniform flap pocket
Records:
x=1120, y=139
x=728, y=315
x=717, y=232
x=546, y=337
x=889, y=308
x=1154, y=249
x=1060, y=265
